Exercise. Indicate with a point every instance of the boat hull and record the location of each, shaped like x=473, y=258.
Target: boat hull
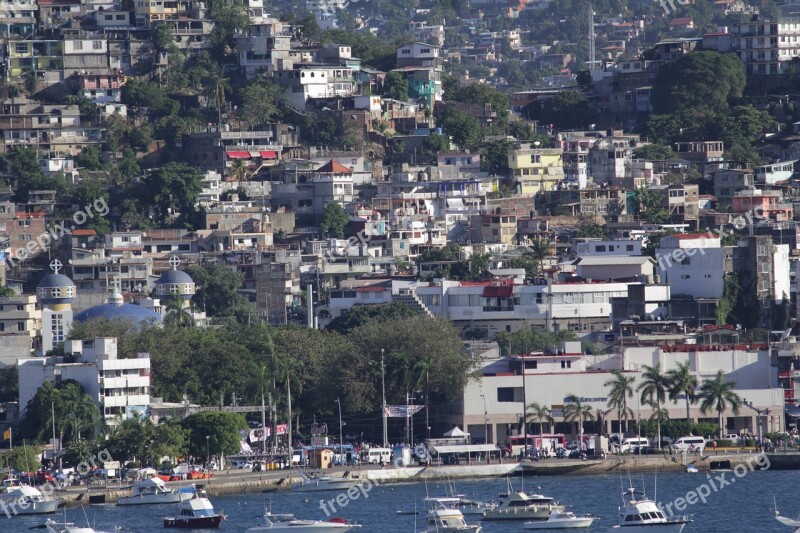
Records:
x=673, y=527
x=463, y=529
x=580, y=523
x=203, y=522
x=508, y=513
x=312, y=486
x=23, y=506
x=155, y=499
x=321, y=527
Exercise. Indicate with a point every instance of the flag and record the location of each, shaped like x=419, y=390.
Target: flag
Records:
x=7, y=434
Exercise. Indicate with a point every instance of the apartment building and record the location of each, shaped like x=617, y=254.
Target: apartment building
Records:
x=534, y=169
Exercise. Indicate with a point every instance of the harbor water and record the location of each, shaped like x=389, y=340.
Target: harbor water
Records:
x=734, y=504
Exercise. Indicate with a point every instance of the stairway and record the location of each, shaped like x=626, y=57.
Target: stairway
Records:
x=412, y=300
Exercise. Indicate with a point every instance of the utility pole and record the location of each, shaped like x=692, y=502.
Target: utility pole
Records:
x=341, y=440
x=524, y=403
x=383, y=409
x=263, y=425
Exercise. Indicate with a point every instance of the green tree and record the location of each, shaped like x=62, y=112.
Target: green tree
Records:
x=494, y=157
x=171, y=191
x=464, y=129
x=360, y=315
x=9, y=383
x=648, y=205
x=435, y=143
x=217, y=289
x=653, y=390
x=76, y=415
x=702, y=81
x=24, y=458
x=565, y=110
x=177, y=315
x=620, y=390
x=215, y=431
x=259, y=101
x=163, y=37
x=541, y=414
x=576, y=411
x=229, y=17
x=682, y=383
x=654, y=152
x=719, y=394
x=395, y=86
x=334, y=220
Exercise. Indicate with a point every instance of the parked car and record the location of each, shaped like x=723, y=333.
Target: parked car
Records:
x=733, y=437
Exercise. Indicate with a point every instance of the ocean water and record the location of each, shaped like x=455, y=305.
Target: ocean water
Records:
x=744, y=504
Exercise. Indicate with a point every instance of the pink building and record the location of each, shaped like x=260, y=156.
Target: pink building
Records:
x=762, y=203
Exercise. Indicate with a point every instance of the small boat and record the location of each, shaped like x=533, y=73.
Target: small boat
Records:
x=521, y=506
x=68, y=527
x=288, y=522
x=443, y=518
x=18, y=498
x=324, y=483
x=691, y=469
x=559, y=520
x=786, y=521
x=196, y=513
x=153, y=491
x=641, y=515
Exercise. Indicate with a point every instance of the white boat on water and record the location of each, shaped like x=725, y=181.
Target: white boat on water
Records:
x=18, y=498
x=444, y=518
x=288, y=522
x=691, y=469
x=641, y=515
x=559, y=520
x=521, y=506
x=318, y=484
x=68, y=527
x=153, y=491
x=785, y=520
x=472, y=507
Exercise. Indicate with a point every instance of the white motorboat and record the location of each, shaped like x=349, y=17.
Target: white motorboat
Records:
x=785, y=520
x=18, y=498
x=318, y=484
x=641, y=515
x=153, y=491
x=521, y=506
x=691, y=469
x=559, y=520
x=288, y=522
x=443, y=518
x=196, y=513
x=472, y=507
x=68, y=527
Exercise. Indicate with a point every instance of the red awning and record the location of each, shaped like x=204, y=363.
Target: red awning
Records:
x=269, y=154
x=503, y=291
x=238, y=155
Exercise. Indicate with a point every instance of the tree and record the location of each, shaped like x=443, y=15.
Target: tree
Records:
x=74, y=411
x=494, y=157
x=229, y=17
x=577, y=411
x=435, y=143
x=334, y=219
x=539, y=413
x=540, y=249
x=719, y=394
x=653, y=389
x=654, y=152
x=177, y=315
x=565, y=110
x=648, y=206
x=24, y=458
x=464, y=129
x=360, y=315
x=259, y=101
x=682, y=382
x=621, y=388
x=217, y=289
x=395, y=86
x=702, y=81
x=213, y=432
x=170, y=191
x=163, y=38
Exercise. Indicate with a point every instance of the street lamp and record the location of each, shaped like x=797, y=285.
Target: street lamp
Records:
x=759, y=414
x=341, y=442
x=208, y=455
x=485, y=419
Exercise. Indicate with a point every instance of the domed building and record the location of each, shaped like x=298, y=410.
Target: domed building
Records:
x=115, y=308
x=56, y=293
x=175, y=282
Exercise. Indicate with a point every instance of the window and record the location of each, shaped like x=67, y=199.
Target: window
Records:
x=628, y=247
x=77, y=45
x=505, y=394
x=600, y=249
x=21, y=326
x=405, y=51
x=531, y=365
x=20, y=307
x=566, y=364
x=424, y=50
x=686, y=276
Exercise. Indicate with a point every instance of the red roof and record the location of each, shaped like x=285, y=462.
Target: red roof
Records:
x=268, y=154
x=238, y=155
x=681, y=21
x=84, y=232
x=691, y=236
x=332, y=167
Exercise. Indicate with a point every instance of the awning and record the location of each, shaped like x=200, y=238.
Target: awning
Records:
x=468, y=448
x=792, y=410
x=503, y=291
x=268, y=154
x=255, y=154
x=238, y=155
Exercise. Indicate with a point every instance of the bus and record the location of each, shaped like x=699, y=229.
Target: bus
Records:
x=551, y=443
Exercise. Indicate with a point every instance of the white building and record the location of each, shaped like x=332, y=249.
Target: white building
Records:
x=20, y=325
x=315, y=81
x=775, y=172
x=692, y=264
x=496, y=400
x=119, y=387
x=631, y=247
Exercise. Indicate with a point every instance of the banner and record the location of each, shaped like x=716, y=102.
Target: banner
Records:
x=7, y=434
x=262, y=434
x=402, y=411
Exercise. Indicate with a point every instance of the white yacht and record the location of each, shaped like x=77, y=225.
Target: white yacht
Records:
x=68, y=527
x=288, y=522
x=641, y=515
x=559, y=520
x=318, y=484
x=521, y=506
x=444, y=518
x=153, y=491
x=18, y=498
x=472, y=507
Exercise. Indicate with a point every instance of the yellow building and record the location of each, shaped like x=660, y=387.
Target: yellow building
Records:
x=535, y=169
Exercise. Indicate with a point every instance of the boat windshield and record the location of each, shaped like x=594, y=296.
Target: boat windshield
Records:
x=204, y=513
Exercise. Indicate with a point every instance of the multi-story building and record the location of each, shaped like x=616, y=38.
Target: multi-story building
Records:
x=693, y=264
x=305, y=81
x=494, y=228
x=20, y=327
x=265, y=45
x=762, y=204
x=535, y=170
x=767, y=46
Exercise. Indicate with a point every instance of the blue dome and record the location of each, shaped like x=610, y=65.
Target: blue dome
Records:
x=55, y=289
x=174, y=276
x=115, y=311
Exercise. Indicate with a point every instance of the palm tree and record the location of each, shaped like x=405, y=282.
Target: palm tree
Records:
x=718, y=394
x=239, y=170
x=177, y=314
x=653, y=390
x=541, y=414
x=621, y=390
x=682, y=381
x=576, y=411
x=539, y=249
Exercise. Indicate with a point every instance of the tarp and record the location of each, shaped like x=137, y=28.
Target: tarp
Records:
x=455, y=432
x=402, y=411
x=269, y=154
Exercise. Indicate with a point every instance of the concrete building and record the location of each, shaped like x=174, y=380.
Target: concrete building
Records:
x=535, y=169
x=20, y=327
x=693, y=264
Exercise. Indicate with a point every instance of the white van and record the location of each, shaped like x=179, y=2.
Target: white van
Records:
x=690, y=444
x=629, y=445
x=373, y=456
